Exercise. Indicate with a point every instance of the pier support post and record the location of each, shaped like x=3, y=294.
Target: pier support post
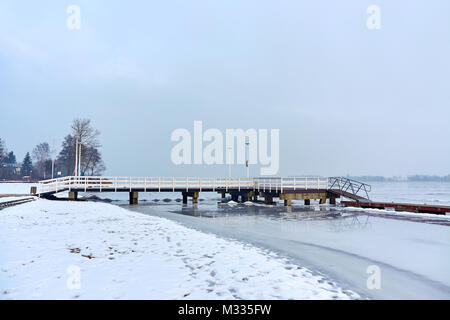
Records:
x=332, y=200
x=287, y=203
x=323, y=201
x=223, y=195
x=235, y=196
x=134, y=197
x=195, y=197
x=73, y=195
x=268, y=199
x=307, y=202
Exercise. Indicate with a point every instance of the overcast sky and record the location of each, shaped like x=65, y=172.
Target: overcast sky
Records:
x=346, y=99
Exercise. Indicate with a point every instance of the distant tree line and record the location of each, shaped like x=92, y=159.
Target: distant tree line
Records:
x=429, y=178
x=38, y=164
x=411, y=178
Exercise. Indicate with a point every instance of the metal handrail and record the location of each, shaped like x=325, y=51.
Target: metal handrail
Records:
x=349, y=185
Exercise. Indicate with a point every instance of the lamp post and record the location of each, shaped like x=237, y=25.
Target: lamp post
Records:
x=53, y=158
x=79, y=161
x=229, y=164
x=76, y=158
x=247, y=156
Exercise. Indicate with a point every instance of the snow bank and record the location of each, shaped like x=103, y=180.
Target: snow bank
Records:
x=125, y=255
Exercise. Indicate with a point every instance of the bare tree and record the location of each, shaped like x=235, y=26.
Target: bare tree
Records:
x=85, y=133
x=92, y=162
x=41, y=157
x=91, y=159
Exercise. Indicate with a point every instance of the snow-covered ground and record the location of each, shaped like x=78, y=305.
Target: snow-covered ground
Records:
x=15, y=187
x=119, y=254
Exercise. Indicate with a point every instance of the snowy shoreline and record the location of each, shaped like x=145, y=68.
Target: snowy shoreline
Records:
x=120, y=254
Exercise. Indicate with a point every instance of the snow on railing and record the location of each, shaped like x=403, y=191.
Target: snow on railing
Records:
x=114, y=184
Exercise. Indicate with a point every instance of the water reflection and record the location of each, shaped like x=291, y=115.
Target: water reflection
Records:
x=350, y=222
x=293, y=218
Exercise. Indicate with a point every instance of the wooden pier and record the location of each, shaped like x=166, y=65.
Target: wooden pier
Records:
x=240, y=189
x=408, y=207
x=288, y=189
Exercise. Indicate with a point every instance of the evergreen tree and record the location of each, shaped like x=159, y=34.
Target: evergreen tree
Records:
x=2, y=151
x=27, y=165
x=11, y=158
x=66, y=159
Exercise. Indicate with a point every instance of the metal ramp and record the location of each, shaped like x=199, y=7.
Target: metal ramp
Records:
x=349, y=188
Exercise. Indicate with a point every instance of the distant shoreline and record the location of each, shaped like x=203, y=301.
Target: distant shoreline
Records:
x=412, y=178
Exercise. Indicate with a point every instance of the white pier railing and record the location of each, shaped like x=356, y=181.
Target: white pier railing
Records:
x=280, y=184
x=115, y=184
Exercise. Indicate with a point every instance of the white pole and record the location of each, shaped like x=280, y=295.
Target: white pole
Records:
x=229, y=165
x=76, y=157
x=53, y=158
x=247, y=156
x=79, y=161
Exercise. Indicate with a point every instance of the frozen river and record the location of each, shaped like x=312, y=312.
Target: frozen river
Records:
x=412, y=253
x=413, y=257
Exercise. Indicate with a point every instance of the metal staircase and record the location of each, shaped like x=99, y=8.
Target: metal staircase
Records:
x=349, y=188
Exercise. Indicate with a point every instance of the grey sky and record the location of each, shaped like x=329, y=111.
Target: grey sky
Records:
x=345, y=98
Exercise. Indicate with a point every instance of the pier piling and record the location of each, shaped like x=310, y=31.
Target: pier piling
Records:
x=268, y=199
x=73, y=195
x=134, y=197
x=195, y=197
